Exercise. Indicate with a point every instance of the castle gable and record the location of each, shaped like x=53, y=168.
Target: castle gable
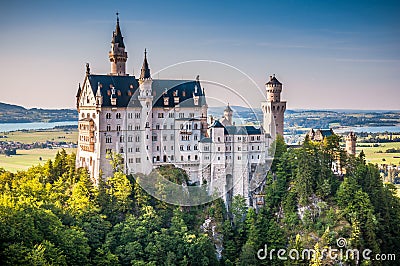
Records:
x=87, y=96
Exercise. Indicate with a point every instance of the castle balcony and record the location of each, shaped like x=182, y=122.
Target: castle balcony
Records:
x=185, y=132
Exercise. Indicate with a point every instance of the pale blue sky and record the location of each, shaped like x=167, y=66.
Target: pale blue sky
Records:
x=328, y=54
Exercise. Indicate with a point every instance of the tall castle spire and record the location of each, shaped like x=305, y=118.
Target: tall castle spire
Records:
x=117, y=55
x=145, y=72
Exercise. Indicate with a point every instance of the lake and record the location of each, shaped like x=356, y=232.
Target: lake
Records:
x=6, y=127
x=368, y=129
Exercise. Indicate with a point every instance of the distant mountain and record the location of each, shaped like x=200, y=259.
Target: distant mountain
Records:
x=303, y=118
x=10, y=113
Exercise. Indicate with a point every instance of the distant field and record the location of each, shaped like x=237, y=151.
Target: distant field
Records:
x=41, y=136
x=373, y=155
x=26, y=158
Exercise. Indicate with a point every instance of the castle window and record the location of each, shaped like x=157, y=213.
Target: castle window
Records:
x=158, y=148
x=188, y=157
x=172, y=157
x=88, y=115
x=154, y=138
x=157, y=126
x=165, y=126
x=239, y=148
x=181, y=115
x=219, y=149
x=191, y=115
x=181, y=148
x=188, y=147
x=121, y=150
x=130, y=160
x=93, y=115
x=160, y=115
x=108, y=151
x=218, y=158
x=172, y=137
x=121, y=139
x=137, y=160
x=137, y=138
x=108, y=139
x=164, y=137
x=171, y=115
x=108, y=127
x=219, y=139
x=83, y=115
x=118, y=115
x=195, y=126
x=172, y=148
x=137, y=127
x=130, y=149
x=195, y=147
x=118, y=127
x=195, y=137
x=130, y=127
x=137, y=149
x=182, y=158
x=137, y=115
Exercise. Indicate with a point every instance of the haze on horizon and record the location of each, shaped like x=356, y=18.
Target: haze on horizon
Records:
x=327, y=54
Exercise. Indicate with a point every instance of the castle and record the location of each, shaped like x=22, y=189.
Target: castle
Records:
x=153, y=122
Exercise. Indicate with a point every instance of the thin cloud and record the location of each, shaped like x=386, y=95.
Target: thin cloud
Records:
x=367, y=60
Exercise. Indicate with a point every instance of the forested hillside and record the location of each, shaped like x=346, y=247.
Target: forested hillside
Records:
x=10, y=113
x=54, y=215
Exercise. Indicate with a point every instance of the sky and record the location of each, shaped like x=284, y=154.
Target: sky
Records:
x=328, y=54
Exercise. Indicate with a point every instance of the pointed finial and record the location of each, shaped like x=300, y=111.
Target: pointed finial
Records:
x=145, y=53
x=87, y=69
x=117, y=16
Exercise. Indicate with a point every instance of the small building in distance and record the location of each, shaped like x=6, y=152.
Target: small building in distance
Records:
x=320, y=134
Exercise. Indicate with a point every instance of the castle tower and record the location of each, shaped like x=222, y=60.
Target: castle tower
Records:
x=273, y=109
x=146, y=100
x=117, y=55
x=351, y=140
x=227, y=118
